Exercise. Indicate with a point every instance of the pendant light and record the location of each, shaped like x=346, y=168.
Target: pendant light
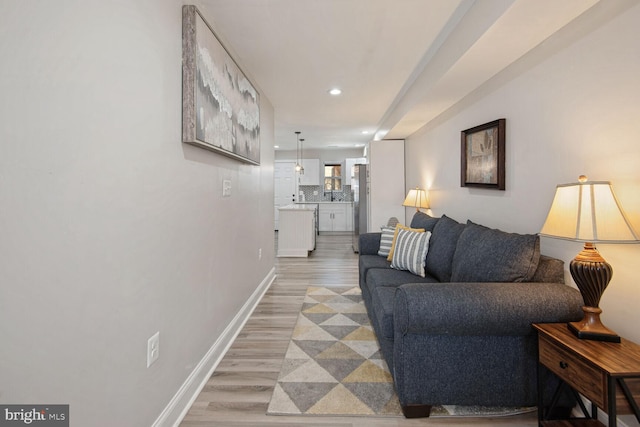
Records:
x=301, y=158
x=298, y=165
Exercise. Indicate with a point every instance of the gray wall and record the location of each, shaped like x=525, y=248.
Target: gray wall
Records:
x=110, y=228
x=572, y=108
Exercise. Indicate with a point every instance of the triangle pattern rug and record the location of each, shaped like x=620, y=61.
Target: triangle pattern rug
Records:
x=333, y=365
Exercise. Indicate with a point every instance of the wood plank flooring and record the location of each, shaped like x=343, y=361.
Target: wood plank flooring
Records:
x=238, y=392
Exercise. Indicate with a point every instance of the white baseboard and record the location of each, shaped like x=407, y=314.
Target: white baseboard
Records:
x=179, y=405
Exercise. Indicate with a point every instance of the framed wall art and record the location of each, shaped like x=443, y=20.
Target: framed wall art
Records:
x=220, y=106
x=482, y=156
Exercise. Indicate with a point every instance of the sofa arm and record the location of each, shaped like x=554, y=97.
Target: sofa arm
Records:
x=369, y=243
x=483, y=308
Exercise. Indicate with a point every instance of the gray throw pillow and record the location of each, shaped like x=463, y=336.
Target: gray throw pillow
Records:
x=442, y=246
x=489, y=255
x=424, y=221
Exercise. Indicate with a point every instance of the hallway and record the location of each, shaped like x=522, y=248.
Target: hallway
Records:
x=238, y=393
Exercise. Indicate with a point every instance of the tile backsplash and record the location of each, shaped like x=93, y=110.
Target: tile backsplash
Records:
x=321, y=196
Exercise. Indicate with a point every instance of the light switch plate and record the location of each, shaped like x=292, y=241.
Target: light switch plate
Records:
x=153, y=348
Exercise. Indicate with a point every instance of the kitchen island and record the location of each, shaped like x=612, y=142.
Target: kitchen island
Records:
x=297, y=230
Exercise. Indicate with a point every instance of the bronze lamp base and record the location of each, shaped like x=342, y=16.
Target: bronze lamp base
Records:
x=591, y=328
x=592, y=275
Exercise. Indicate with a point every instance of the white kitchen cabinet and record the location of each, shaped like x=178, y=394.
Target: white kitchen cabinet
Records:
x=340, y=218
x=311, y=174
x=325, y=219
x=335, y=217
x=297, y=235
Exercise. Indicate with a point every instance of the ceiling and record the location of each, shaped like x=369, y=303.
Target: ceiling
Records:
x=399, y=63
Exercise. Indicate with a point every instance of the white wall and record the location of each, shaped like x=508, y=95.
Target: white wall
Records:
x=571, y=108
x=386, y=182
x=110, y=228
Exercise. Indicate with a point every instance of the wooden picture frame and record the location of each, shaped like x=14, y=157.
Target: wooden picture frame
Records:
x=482, y=156
x=220, y=106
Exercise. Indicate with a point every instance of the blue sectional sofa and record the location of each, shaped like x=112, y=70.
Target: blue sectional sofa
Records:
x=462, y=335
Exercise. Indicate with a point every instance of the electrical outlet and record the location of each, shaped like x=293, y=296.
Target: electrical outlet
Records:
x=226, y=188
x=153, y=348
x=260, y=253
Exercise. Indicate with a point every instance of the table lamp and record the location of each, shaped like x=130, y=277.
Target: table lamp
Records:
x=589, y=212
x=417, y=198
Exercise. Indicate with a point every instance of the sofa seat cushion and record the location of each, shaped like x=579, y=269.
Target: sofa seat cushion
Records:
x=382, y=299
x=442, y=246
x=389, y=277
x=490, y=255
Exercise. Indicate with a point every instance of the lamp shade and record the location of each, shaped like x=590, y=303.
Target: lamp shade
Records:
x=588, y=212
x=416, y=198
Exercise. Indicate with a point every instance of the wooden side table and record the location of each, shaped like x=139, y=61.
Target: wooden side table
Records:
x=606, y=373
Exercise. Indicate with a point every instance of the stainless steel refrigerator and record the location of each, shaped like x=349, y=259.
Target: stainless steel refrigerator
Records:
x=360, y=193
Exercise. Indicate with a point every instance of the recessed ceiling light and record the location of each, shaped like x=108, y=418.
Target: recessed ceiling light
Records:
x=365, y=132
x=335, y=91
x=276, y=146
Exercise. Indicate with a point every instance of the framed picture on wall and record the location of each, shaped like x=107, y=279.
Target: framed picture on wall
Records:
x=482, y=156
x=220, y=106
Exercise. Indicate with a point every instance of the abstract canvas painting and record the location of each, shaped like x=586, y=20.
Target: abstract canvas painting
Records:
x=220, y=106
x=482, y=156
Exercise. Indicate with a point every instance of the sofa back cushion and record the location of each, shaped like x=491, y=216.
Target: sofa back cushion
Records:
x=422, y=220
x=550, y=270
x=442, y=246
x=489, y=255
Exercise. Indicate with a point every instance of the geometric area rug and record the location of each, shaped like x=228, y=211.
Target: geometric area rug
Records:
x=333, y=365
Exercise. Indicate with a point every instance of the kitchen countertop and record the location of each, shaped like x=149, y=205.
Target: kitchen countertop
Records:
x=316, y=203
x=296, y=207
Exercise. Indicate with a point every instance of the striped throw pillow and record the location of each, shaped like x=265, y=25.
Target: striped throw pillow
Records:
x=395, y=235
x=385, y=240
x=411, y=251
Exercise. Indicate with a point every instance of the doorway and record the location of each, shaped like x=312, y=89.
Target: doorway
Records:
x=284, y=175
